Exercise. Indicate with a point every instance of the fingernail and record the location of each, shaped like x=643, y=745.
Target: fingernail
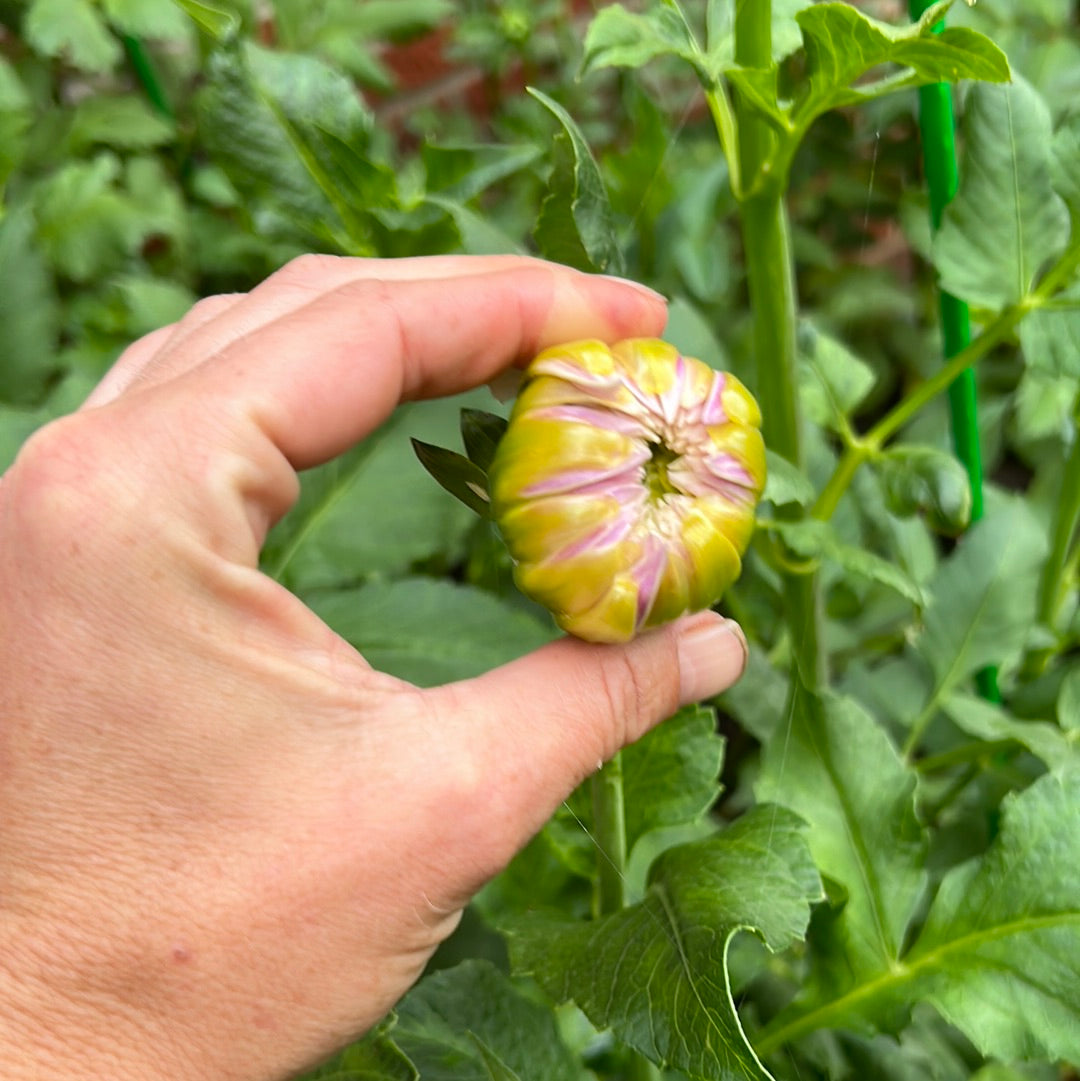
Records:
x=644, y=290
x=712, y=655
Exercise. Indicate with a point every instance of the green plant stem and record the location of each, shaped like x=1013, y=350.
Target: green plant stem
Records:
x=609, y=833
x=1051, y=585
x=771, y=283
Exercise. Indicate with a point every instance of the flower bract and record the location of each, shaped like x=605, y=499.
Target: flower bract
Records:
x=625, y=484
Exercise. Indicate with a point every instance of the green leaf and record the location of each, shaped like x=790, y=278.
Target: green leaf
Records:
x=430, y=631
x=842, y=44
x=29, y=320
x=837, y=769
x=15, y=119
x=460, y=477
x=1065, y=163
x=373, y=510
x=462, y=172
x=1068, y=703
x=656, y=972
x=618, y=38
x=71, y=30
x=1050, y=337
x=153, y=302
x=811, y=539
x=999, y=955
x=720, y=23
x=124, y=122
x=147, y=18
x=1043, y=404
x=220, y=23
x=576, y=224
x=374, y=1058
x=1006, y=221
x=982, y=599
x=918, y=479
x=469, y=1023
x=291, y=133
x=985, y=721
x=832, y=380
x=481, y=432
x=786, y=483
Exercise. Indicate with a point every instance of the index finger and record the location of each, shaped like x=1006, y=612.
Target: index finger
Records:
x=319, y=378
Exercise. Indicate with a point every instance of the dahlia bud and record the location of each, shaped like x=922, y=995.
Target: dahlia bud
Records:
x=625, y=485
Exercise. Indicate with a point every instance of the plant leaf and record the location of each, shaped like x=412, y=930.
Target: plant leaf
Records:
x=656, y=973
x=786, y=483
x=618, y=38
x=460, y=477
x=922, y=479
x=1006, y=221
x=430, y=631
x=74, y=31
x=124, y=121
x=576, y=224
x=832, y=379
x=147, y=18
x=1068, y=703
x=1050, y=338
x=481, y=432
x=836, y=768
x=1065, y=164
x=220, y=23
x=462, y=172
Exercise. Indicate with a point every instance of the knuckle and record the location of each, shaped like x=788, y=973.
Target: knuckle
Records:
x=304, y=271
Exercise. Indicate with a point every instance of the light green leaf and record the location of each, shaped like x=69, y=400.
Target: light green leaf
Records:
x=811, y=539
x=147, y=18
x=29, y=320
x=985, y=721
x=576, y=224
x=469, y=1023
x=125, y=122
x=153, y=302
x=1000, y=952
x=291, y=133
x=983, y=599
x=843, y=44
x=832, y=379
x=374, y=510
x=1006, y=221
x=430, y=631
x=786, y=483
x=220, y=23
x=1043, y=404
x=71, y=30
x=656, y=973
x=1068, y=704
x=1065, y=163
x=1050, y=338
x=836, y=768
x=374, y=1058
x=618, y=38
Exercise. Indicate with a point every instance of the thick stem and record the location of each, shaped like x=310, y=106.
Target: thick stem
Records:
x=771, y=282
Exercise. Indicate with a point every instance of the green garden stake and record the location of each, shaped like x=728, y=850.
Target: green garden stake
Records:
x=938, y=129
x=146, y=73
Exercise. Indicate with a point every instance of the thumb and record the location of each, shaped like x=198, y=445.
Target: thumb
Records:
x=535, y=728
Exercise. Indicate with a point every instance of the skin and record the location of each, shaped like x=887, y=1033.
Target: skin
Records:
x=228, y=844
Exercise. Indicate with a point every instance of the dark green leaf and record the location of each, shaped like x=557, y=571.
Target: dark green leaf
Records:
x=924, y=480
x=656, y=973
x=1006, y=221
x=461, y=478
x=430, y=631
x=836, y=768
x=376, y=1057
x=481, y=432
x=470, y=1023
x=576, y=224
x=29, y=323
x=463, y=172
x=15, y=119
x=126, y=122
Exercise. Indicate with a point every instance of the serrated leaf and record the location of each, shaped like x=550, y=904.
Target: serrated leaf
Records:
x=811, y=539
x=291, y=134
x=469, y=1023
x=1006, y=221
x=481, y=432
x=982, y=599
x=833, y=381
x=986, y=721
x=618, y=38
x=836, y=768
x=71, y=30
x=461, y=478
x=125, y=122
x=999, y=955
x=656, y=973
x=917, y=479
x=786, y=483
x=29, y=320
x=842, y=44
x=430, y=631
x=576, y=224
x=373, y=510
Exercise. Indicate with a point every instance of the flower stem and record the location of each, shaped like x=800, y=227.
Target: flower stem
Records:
x=771, y=281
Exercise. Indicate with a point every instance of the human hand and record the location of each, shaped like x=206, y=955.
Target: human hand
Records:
x=227, y=845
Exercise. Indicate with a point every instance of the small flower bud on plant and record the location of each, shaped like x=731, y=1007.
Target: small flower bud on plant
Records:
x=625, y=485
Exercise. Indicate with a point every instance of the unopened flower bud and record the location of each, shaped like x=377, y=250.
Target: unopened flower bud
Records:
x=625, y=485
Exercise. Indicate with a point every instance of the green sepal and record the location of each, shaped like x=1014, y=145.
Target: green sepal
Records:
x=481, y=433
x=463, y=479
